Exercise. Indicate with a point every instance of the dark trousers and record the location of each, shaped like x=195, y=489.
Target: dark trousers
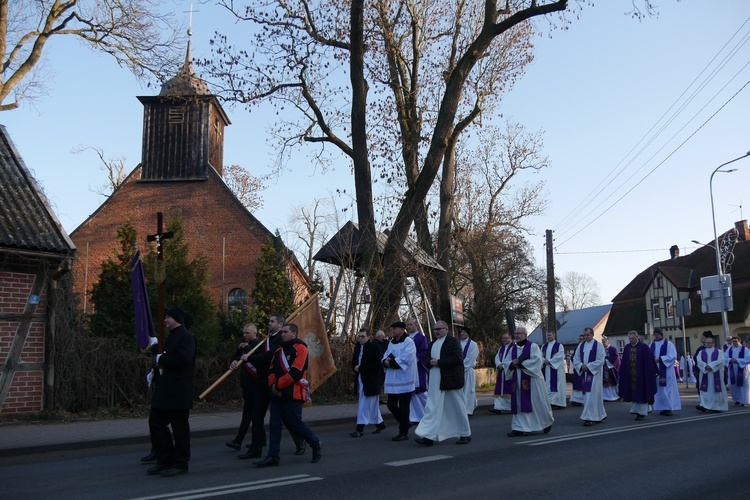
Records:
x=398, y=405
x=168, y=452
x=261, y=401
x=289, y=413
x=247, y=416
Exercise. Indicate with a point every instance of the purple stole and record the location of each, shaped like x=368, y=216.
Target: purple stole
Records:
x=662, y=366
x=552, y=371
x=704, y=377
x=734, y=371
x=587, y=378
x=525, y=382
x=466, y=347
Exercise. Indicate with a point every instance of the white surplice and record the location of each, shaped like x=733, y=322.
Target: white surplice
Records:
x=593, y=401
x=502, y=401
x=470, y=378
x=667, y=397
x=541, y=414
x=741, y=371
x=687, y=365
x=711, y=399
x=557, y=364
x=445, y=413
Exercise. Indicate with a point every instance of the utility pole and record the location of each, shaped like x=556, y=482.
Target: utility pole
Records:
x=551, y=322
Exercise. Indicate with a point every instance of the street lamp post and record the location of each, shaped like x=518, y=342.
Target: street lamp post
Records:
x=719, y=267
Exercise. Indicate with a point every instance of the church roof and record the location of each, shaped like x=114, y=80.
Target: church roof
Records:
x=26, y=220
x=186, y=82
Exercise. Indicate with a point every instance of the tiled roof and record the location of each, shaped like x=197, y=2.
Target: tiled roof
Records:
x=343, y=249
x=629, y=307
x=26, y=219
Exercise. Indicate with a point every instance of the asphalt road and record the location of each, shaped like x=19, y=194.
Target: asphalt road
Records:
x=688, y=455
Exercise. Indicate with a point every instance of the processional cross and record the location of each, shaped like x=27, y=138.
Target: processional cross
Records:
x=160, y=274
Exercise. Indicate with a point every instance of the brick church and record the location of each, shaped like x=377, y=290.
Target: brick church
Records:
x=180, y=176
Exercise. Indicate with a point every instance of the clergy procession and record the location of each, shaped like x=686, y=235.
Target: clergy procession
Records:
x=431, y=385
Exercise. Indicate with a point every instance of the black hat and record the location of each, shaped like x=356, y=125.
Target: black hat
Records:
x=176, y=314
x=708, y=334
x=398, y=324
x=466, y=329
x=658, y=330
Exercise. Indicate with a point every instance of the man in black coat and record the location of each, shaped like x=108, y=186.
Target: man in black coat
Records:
x=248, y=381
x=173, y=398
x=369, y=380
x=445, y=412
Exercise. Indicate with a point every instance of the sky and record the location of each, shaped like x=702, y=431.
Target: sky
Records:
x=636, y=115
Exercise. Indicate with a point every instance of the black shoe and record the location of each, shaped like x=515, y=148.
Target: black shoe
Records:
x=379, y=428
x=495, y=412
x=666, y=413
x=300, y=449
x=513, y=434
x=234, y=445
x=357, y=434
x=574, y=403
x=700, y=408
x=174, y=471
x=464, y=440
x=423, y=441
x=317, y=455
x=640, y=417
x=157, y=469
x=547, y=429
x=267, y=462
x=588, y=423
x=400, y=437
x=558, y=407
x=149, y=459
x=250, y=454
x=737, y=403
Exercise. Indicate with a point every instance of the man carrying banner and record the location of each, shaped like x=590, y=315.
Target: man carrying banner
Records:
x=250, y=385
x=173, y=399
x=287, y=380
x=261, y=360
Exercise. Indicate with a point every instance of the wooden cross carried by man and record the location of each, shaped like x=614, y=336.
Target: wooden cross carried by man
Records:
x=160, y=271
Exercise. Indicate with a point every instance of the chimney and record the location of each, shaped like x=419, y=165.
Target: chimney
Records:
x=742, y=230
x=674, y=252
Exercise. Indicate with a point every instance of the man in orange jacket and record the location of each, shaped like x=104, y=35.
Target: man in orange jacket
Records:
x=287, y=379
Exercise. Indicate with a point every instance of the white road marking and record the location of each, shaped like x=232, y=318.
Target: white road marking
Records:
x=422, y=460
x=617, y=430
x=234, y=488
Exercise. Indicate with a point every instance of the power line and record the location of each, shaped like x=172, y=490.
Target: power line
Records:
x=659, y=164
x=574, y=214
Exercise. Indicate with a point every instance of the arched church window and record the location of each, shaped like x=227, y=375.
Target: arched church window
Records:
x=237, y=299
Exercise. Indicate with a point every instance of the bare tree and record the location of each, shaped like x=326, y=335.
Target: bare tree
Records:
x=115, y=168
x=577, y=291
x=492, y=261
x=135, y=32
x=310, y=226
x=245, y=186
x=340, y=72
